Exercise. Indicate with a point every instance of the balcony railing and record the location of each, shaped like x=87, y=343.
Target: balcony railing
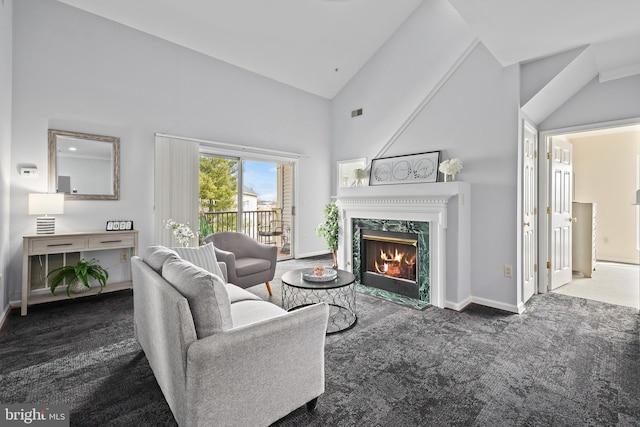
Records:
x=252, y=221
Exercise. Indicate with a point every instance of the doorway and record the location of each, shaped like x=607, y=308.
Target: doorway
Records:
x=253, y=197
x=605, y=178
x=611, y=282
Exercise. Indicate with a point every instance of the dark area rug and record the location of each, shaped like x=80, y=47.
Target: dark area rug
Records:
x=564, y=362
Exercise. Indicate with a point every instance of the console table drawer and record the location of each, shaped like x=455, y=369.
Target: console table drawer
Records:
x=112, y=241
x=57, y=245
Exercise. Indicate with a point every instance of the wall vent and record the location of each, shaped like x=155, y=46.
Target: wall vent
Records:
x=356, y=113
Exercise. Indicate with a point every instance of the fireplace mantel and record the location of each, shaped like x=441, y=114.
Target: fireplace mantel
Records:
x=435, y=190
x=445, y=205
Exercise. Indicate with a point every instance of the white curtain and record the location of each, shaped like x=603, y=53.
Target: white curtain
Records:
x=177, y=168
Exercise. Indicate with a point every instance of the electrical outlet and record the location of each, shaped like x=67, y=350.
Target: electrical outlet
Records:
x=124, y=257
x=508, y=271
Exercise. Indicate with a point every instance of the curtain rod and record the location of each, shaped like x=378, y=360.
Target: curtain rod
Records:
x=236, y=147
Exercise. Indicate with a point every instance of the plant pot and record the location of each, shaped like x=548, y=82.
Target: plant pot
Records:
x=78, y=287
x=335, y=259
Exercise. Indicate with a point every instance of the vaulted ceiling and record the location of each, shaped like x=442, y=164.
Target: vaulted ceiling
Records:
x=319, y=45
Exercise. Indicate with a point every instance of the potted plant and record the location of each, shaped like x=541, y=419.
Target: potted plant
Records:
x=77, y=276
x=329, y=230
x=205, y=229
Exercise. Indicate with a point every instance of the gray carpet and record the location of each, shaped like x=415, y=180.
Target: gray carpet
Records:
x=564, y=362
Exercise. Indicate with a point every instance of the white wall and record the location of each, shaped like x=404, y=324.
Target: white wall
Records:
x=75, y=71
x=606, y=173
x=597, y=103
x=535, y=75
x=397, y=79
x=5, y=143
x=474, y=116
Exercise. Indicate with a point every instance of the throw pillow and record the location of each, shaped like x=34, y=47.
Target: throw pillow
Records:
x=156, y=256
x=203, y=256
x=206, y=293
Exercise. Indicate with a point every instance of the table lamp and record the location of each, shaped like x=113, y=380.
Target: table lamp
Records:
x=46, y=204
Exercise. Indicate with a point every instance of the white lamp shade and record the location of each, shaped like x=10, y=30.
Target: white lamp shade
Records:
x=46, y=204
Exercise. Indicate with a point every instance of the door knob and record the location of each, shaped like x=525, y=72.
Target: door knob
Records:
x=573, y=219
x=527, y=224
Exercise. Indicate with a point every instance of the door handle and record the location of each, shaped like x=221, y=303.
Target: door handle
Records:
x=526, y=224
x=573, y=219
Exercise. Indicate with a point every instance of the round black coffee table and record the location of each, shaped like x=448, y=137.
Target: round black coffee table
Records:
x=339, y=294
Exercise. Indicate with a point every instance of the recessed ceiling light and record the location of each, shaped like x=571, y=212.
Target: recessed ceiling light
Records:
x=72, y=148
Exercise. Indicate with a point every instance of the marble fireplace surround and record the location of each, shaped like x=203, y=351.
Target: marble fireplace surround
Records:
x=445, y=205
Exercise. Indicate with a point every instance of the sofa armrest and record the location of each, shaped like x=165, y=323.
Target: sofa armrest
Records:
x=256, y=374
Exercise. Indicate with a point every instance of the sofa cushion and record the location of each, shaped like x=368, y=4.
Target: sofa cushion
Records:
x=246, y=266
x=247, y=312
x=206, y=293
x=156, y=256
x=203, y=256
x=236, y=293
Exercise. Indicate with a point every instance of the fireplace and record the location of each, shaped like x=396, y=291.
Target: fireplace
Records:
x=392, y=256
x=438, y=213
x=388, y=261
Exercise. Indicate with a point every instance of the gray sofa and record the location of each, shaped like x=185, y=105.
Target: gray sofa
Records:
x=243, y=362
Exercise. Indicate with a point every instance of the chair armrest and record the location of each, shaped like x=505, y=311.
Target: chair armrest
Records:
x=262, y=251
x=229, y=258
x=223, y=268
x=269, y=367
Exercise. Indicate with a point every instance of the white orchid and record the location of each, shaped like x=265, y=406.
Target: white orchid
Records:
x=450, y=166
x=182, y=232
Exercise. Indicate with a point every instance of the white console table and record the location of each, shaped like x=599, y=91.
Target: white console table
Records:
x=67, y=248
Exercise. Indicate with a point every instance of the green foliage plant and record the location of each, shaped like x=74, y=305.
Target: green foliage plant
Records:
x=81, y=272
x=205, y=229
x=218, y=187
x=218, y=184
x=330, y=227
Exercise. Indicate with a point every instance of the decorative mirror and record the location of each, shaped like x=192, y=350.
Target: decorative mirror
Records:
x=84, y=166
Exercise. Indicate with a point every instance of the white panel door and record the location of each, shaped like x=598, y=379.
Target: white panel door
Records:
x=561, y=216
x=529, y=212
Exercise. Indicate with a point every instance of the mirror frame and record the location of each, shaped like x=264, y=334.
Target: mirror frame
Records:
x=53, y=164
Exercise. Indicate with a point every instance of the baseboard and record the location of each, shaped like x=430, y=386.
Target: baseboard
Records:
x=458, y=306
x=4, y=316
x=311, y=254
x=620, y=260
x=499, y=305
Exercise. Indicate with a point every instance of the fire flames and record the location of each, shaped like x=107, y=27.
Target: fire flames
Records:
x=394, y=264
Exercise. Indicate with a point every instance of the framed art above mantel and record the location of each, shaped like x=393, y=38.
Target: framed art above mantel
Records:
x=413, y=168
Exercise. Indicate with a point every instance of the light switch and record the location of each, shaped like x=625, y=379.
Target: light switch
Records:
x=508, y=271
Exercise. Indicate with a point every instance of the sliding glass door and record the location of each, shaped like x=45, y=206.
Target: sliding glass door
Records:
x=254, y=197
x=218, y=194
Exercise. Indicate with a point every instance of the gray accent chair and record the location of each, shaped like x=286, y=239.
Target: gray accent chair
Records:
x=220, y=379
x=248, y=262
